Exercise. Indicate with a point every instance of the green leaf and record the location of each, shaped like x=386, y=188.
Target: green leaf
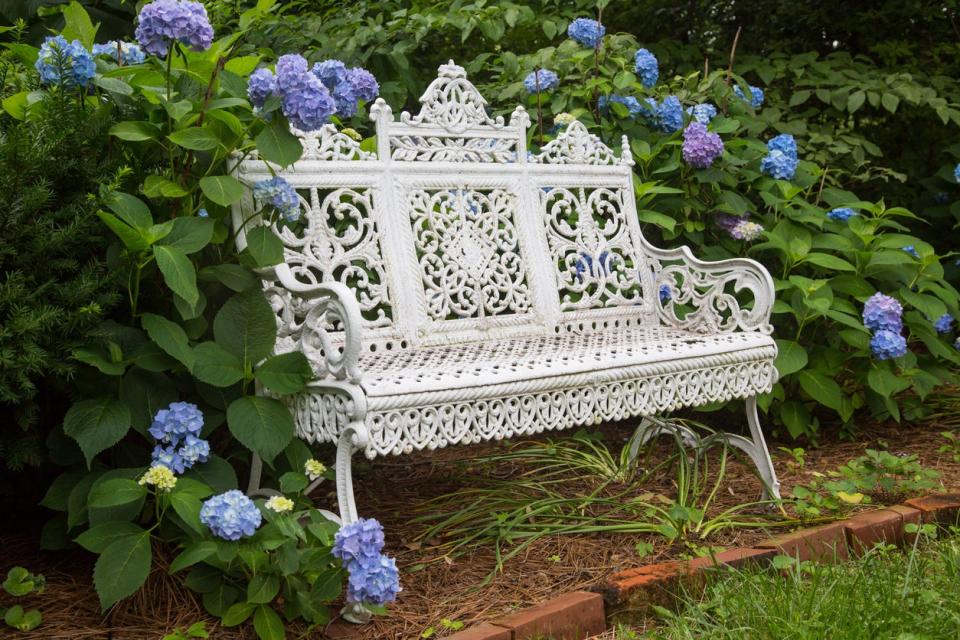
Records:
x=130, y=209
x=113, y=85
x=77, y=24
x=263, y=425
x=293, y=482
x=237, y=614
x=215, y=365
x=855, y=100
x=178, y=272
x=224, y=190
x=268, y=624
x=133, y=239
x=276, y=144
x=829, y=262
x=196, y=552
x=263, y=588
x=117, y=491
x=791, y=357
x=821, y=388
x=246, y=326
x=195, y=139
x=216, y=472
x=885, y=382
x=796, y=418
x=189, y=235
x=232, y=276
x=16, y=105
x=97, y=539
x=122, y=568
x=97, y=424
x=890, y=102
x=285, y=373
x=187, y=507
x=159, y=187
x=135, y=131
x=264, y=246
x=170, y=337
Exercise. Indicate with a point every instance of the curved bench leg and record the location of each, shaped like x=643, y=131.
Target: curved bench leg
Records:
x=352, y=438
x=755, y=448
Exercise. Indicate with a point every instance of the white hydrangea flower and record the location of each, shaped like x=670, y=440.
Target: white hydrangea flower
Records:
x=279, y=504
x=313, y=468
x=160, y=477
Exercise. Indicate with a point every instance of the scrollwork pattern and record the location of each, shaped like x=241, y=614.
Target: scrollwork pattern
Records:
x=452, y=102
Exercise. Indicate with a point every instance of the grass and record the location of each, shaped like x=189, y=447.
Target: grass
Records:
x=886, y=594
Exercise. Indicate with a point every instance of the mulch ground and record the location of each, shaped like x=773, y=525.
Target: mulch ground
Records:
x=438, y=585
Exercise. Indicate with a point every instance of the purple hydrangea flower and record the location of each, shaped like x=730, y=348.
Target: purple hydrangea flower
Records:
x=231, y=515
x=360, y=541
x=375, y=581
x=882, y=313
x=345, y=99
x=305, y=102
x=330, y=72
x=746, y=230
x=193, y=451
x=541, y=80
x=587, y=32
x=703, y=112
x=912, y=250
x=647, y=67
x=279, y=194
x=168, y=457
x=364, y=84
x=779, y=165
x=944, y=323
x=728, y=222
x=841, y=214
x=700, y=147
x=162, y=22
x=632, y=104
x=668, y=115
x=261, y=85
x=176, y=422
x=956, y=173
x=123, y=52
x=756, y=95
x=665, y=294
x=888, y=344
x=64, y=63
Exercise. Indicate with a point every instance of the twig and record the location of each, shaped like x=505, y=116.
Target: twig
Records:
x=823, y=179
x=733, y=55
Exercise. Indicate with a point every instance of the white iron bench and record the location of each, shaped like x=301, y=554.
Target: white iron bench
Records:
x=450, y=288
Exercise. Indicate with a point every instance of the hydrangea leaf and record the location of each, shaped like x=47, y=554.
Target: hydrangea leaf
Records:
x=216, y=473
x=97, y=539
x=135, y=131
x=285, y=373
x=268, y=624
x=246, y=326
x=114, y=492
x=122, y=568
x=264, y=246
x=791, y=357
x=77, y=24
x=187, y=507
x=170, y=337
x=263, y=425
x=195, y=139
x=196, y=552
x=821, y=388
x=263, y=588
x=216, y=366
x=96, y=424
x=224, y=190
x=178, y=272
x=276, y=144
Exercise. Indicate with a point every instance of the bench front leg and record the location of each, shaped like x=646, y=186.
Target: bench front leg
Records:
x=707, y=297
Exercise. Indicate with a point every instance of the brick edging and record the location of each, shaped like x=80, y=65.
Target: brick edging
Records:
x=580, y=614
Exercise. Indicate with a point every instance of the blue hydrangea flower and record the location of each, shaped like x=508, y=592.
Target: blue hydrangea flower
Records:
x=587, y=32
x=203, y=213
x=231, y=515
x=64, y=63
x=330, y=73
x=882, y=313
x=665, y=294
x=941, y=198
x=176, y=422
x=944, y=323
x=700, y=147
x=162, y=22
x=668, y=116
x=784, y=143
x=364, y=83
x=956, y=173
x=779, y=165
x=168, y=457
x=360, y=541
x=279, y=194
x=647, y=67
x=703, y=112
x=841, y=214
x=305, y=101
x=542, y=79
x=261, y=85
x=632, y=104
x=888, y=344
x=585, y=264
x=124, y=53
x=193, y=451
x=375, y=582
x=912, y=250
x=756, y=95
x=345, y=99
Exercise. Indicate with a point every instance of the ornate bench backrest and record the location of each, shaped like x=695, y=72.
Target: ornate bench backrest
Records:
x=451, y=232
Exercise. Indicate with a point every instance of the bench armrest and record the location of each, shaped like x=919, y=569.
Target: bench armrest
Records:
x=335, y=351
x=708, y=292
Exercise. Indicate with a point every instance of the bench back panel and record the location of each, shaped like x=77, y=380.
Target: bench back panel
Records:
x=451, y=232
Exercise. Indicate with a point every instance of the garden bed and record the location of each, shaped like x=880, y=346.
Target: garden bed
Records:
x=438, y=585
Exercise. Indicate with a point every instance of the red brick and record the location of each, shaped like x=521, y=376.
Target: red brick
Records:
x=571, y=616
x=484, y=631
x=824, y=543
x=646, y=576
x=910, y=516
x=942, y=509
x=734, y=558
x=867, y=529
